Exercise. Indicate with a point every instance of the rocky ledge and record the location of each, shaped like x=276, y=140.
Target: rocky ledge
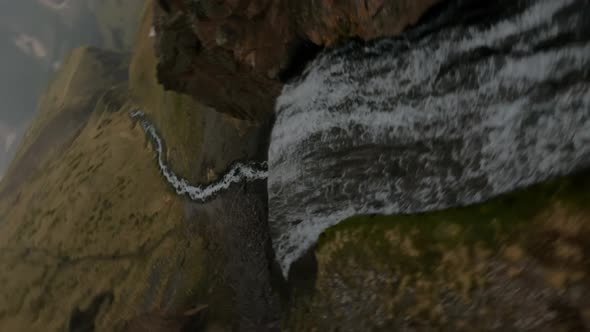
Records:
x=203, y=45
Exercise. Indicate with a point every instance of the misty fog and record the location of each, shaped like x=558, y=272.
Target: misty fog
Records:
x=35, y=36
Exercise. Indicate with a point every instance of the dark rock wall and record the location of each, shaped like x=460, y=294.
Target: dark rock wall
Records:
x=232, y=54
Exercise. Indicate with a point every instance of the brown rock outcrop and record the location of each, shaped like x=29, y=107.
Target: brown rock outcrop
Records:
x=327, y=22
x=233, y=54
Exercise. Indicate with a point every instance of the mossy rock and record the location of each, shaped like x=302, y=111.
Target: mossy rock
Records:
x=516, y=263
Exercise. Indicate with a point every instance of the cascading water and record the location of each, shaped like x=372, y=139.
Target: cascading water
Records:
x=432, y=120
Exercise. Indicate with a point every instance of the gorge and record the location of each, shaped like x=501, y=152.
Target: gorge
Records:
x=304, y=165
x=446, y=115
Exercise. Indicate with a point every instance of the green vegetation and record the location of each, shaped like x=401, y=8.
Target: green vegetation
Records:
x=82, y=78
x=509, y=214
x=94, y=216
x=391, y=270
x=101, y=220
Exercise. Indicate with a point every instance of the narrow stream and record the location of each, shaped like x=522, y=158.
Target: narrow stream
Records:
x=239, y=172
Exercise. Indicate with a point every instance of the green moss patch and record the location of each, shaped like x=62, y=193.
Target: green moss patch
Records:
x=504, y=216
x=506, y=260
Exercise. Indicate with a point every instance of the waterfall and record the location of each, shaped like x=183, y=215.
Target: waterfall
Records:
x=432, y=120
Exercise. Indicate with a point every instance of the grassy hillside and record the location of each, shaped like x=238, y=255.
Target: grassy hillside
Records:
x=178, y=118
x=118, y=21
x=92, y=229
x=201, y=142
x=516, y=263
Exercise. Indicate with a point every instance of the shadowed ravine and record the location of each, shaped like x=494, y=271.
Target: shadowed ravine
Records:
x=232, y=219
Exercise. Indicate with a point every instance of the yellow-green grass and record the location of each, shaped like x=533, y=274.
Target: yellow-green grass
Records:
x=431, y=255
x=178, y=117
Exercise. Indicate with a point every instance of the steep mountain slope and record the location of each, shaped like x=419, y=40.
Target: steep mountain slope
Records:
x=201, y=144
x=518, y=262
x=35, y=38
x=85, y=215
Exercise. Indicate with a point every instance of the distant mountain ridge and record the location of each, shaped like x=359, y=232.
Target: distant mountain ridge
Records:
x=36, y=36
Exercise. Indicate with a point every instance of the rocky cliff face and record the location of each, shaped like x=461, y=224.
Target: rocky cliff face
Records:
x=83, y=223
x=255, y=44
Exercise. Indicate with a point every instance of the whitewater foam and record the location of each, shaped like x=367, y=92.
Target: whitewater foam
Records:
x=453, y=118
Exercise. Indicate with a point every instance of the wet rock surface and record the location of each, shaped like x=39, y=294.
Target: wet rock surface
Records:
x=239, y=256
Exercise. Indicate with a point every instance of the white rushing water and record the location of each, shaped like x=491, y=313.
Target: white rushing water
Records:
x=450, y=118
x=237, y=173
